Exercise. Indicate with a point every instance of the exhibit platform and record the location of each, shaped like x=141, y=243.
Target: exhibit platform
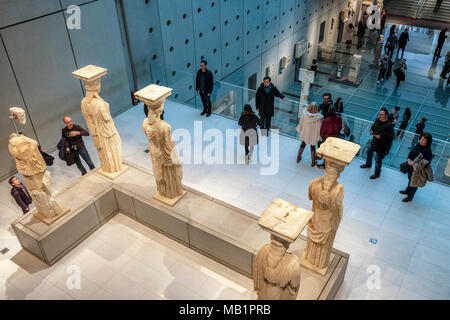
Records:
x=216, y=229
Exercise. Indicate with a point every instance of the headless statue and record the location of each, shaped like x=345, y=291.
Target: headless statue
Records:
x=276, y=273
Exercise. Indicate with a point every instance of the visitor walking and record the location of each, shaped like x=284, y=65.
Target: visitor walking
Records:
x=383, y=64
x=391, y=44
x=326, y=104
x=360, y=34
x=394, y=115
x=383, y=19
x=265, y=98
x=339, y=105
x=404, y=124
x=20, y=193
x=403, y=41
x=419, y=170
x=204, y=83
x=249, y=122
x=383, y=134
x=420, y=126
x=309, y=129
x=349, y=35
x=74, y=136
x=331, y=127
x=440, y=44
x=446, y=66
x=437, y=6
x=400, y=72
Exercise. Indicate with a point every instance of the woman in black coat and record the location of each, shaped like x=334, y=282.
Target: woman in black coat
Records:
x=404, y=123
x=339, y=105
x=249, y=133
x=424, y=148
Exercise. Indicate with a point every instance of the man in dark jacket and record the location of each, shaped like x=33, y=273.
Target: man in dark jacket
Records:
x=382, y=131
x=440, y=44
x=204, y=83
x=265, y=98
x=402, y=41
x=20, y=194
x=74, y=136
x=325, y=105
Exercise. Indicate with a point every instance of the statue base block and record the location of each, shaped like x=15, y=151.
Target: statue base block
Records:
x=305, y=263
x=114, y=175
x=49, y=221
x=169, y=201
x=345, y=81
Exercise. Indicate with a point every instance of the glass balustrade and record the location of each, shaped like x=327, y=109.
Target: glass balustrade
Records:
x=228, y=100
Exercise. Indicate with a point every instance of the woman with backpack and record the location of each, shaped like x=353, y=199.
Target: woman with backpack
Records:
x=404, y=123
x=383, y=65
x=249, y=133
x=400, y=72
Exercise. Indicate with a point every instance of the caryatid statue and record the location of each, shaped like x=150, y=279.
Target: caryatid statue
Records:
x=327, y=195
x=98, y=118
x=276, y=272
x=31, y=165
x=167, y=167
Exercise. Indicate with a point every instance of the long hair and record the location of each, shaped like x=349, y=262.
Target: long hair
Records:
x=429, y=138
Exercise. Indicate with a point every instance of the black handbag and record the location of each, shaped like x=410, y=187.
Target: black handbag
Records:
x=70, y=158
x=404, y=167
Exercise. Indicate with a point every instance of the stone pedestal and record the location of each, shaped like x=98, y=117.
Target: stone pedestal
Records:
x=354, y=68
x=307, y=78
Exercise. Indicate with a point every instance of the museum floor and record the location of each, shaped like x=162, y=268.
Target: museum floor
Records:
x=126, y=260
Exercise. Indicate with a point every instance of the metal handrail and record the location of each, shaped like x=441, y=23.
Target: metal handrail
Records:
x=420, y=5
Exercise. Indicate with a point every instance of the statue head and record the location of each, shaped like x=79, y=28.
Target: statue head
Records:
x=93, y=85
x=18, y=115
x=332, y=172
x=154, y=114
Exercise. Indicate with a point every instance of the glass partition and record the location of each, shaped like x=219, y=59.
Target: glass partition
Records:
x=228, y=100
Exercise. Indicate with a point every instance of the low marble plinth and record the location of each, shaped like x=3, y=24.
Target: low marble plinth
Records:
x=208, y=225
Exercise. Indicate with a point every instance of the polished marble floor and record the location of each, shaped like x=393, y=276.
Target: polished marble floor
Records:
x=411, y=257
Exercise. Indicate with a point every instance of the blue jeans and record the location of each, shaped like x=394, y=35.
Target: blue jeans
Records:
x=378, y=159
x=82, y=151
x=411, y=190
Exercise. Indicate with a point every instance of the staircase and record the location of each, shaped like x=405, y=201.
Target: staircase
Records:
x=419, y=9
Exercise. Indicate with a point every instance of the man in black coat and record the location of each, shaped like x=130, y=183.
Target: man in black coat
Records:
x=20, y=194
x=402, y=41
x=204, y=83
x=382, y=131
x=440, y=44
x=265, y=97
x=325, y=105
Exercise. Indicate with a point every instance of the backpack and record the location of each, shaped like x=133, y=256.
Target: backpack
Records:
x=391, y=117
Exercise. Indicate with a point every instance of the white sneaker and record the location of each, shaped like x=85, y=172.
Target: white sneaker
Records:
x=378, y=82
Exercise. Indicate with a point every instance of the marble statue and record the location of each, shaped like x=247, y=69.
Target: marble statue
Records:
x=354, y=68
x=327, y=195
x=276, y=272
x=31, y=165
x=95, y=111
x=167, y=167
